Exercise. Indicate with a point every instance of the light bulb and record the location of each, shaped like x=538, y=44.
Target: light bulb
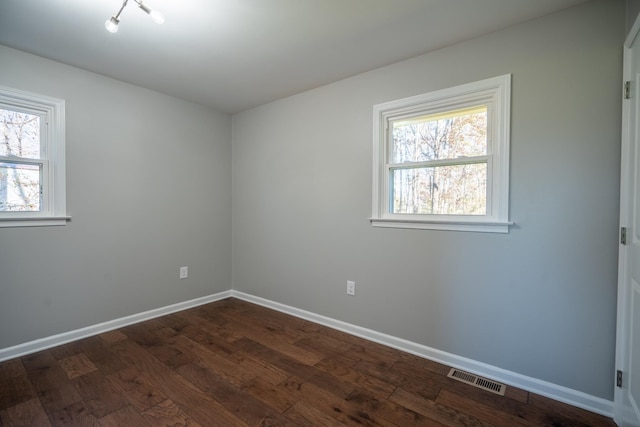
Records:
x=111, y=25
x=157, y=17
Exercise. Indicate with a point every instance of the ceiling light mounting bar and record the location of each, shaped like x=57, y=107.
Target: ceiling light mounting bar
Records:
x=112, y=23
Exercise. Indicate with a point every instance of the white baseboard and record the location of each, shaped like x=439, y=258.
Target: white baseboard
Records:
x=544, y=388
x=534, y=385
x=66, y=337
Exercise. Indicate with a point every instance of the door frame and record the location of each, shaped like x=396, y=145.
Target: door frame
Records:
x=623, y=321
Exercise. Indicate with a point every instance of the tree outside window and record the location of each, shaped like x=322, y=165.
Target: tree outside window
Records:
x=19, y=181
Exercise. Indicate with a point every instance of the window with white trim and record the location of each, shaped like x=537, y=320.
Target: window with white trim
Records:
x=32, y=159
x=441, y=159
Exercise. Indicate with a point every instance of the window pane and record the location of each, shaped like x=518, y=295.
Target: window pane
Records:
x=19, y=134
x=450, y=135
x=19, y=187
x=443, y=190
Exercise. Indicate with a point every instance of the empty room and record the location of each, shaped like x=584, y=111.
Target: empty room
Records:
x=319, y=212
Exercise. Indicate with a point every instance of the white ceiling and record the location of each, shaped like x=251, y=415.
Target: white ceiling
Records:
x=236, y=54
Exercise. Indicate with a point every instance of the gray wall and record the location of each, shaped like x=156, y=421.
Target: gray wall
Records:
x=633, y=8
x=149, y=190
x=539, y=301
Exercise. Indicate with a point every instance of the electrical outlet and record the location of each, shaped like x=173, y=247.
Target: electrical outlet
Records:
x=351, y=287
x=184, y=272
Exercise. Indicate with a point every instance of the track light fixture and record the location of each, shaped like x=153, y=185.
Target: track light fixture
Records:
x=112, y=23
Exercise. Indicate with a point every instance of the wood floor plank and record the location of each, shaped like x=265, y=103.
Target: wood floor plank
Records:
x=174, y=321
x=258, y=368
x=333, y=384
x=191, y=318
x=287, y=364
x=502, y=404
x=329, y=404
x=42, y=360
x=343, y=336
x=136, y=389
x=99, y=353
x=268, y=321
x=67, y=350
x=323, y=344
x=11, y=369
x=557, y=412
x=380, y=370
x=435, y=411
x=56, y=399
x=76, y=415
x=348, y=358
x=124, y=417
x=478, y=410
x=172, y=356
x=213, y=313
x=142, y=333
x=305, y=415
x=359, y=379
x=201, y=408
x=225, y=368
x=25, y=414
x=420, y=371
x=388, y=413
x=273, y=340
x=95, y=349
x=374, y=353
x=273, y=395
x=15, y=390
x=50, y=381
x=77, y=365
x=167, y=413
x=112, y=337
x=100, y=393
x=413, y=364
x=204, y=336
x=235, y=364
x=239, y=402
x=426, y=389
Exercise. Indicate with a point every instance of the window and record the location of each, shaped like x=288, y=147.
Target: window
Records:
x=32, y=174
x=441, y=160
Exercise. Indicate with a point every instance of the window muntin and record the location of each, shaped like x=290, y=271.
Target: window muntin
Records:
x=441, y=159
x=32, y=164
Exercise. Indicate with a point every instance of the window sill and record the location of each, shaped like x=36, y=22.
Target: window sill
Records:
x=474, y=226
x=34, y=221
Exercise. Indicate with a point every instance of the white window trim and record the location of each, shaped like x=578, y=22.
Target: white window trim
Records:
x=496, y=93
x=54, y=185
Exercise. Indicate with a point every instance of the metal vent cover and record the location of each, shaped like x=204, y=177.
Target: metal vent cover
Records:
x=476, y=381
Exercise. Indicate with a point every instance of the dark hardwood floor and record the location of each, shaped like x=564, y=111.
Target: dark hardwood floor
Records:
x=231, y=363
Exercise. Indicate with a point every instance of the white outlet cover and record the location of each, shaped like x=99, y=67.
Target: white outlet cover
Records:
x=351, y=287
x=184, y=272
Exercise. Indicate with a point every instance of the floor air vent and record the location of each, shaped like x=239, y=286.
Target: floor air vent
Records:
x=477, y=381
